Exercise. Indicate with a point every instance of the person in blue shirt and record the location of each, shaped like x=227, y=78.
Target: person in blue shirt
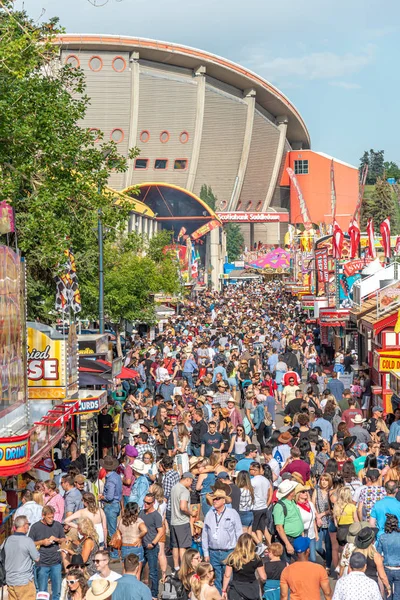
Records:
x=389, y=505
x=273, y=360
x=111, y=496
x=336, y=387
x=141, y=485
x=250, y=457
x=128, y=586
x=324, y=425
x=189, y=367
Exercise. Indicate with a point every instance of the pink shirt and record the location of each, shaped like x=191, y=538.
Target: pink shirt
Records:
x=128, y=474
x=57, y=502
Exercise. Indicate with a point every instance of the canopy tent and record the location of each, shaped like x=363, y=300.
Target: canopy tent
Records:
x=279, y=258
x=103, y=368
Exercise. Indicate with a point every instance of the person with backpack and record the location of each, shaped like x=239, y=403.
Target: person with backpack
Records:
x=287, y=518
x=17, y=559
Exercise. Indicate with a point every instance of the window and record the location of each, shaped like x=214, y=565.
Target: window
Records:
x=141, y=163
x=72, y=60
x=184, y=137
x=301, y=167
x=117, y=135
x=164, y=137
x=180, y=164
x=391, y=339
x=160, y=163
x=95, y=63
x=144, y=136
x=119, y=64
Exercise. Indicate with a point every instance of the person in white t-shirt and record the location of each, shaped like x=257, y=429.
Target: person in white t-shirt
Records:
x=102, y=562
x=262, y=497
x=270, y=460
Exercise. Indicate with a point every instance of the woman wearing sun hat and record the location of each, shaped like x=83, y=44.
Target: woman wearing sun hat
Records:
x=365, y=543
x=101, y=589
x=141, y=485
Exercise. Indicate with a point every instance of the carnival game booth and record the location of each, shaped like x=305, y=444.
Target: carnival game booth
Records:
x=381, y=342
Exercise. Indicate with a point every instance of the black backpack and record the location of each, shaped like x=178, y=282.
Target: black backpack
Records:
x=269, y=519
x=173, y=589
x=2, y=566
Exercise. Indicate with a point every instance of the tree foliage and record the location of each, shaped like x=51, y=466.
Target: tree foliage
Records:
x=51, y=171
x=234, y=241
x=208, y=196
x=135, y=270
x=375, y=162
x=381, y=203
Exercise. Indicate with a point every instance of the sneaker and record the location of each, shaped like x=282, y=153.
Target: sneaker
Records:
x=260, y=549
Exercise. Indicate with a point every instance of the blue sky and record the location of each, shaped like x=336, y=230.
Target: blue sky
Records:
x=336, y=61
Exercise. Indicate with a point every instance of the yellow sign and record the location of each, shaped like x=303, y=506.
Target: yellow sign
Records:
x=389, y=363
x=46, y=360
x=14, y=453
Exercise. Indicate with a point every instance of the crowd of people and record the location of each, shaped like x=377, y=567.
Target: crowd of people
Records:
x=236, y=466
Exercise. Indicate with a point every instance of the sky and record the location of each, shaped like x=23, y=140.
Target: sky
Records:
x=337, y=62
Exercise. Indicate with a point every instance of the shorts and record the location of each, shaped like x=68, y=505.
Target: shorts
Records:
x=365, y=402
x=246, y=517
x=181, y=536
x=259, y=522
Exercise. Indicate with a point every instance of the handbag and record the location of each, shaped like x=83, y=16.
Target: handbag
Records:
x=116, y=540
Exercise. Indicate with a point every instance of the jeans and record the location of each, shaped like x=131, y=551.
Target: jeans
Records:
x=195, y=450
x=313, y=553
x=138, y=550
x=111, y=510
x=394, y=579
x=324, y=546
x=205, y=507
x=188, y=378
x=54, y=573
x=217, y=560
x=151, y=557
x=312, y=368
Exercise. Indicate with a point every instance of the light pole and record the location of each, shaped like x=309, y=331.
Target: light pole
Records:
x=101, y=269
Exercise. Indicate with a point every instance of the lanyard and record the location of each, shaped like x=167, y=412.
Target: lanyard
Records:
x=218, y=518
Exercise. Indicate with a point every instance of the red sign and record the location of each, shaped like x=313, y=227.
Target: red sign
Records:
x=321, y=261
x=253, y=217
x=204, y=229
x=354, y=266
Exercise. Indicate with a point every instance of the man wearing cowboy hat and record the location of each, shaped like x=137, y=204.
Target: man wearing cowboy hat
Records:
x=222, y=529
x=286, y=514
x=363, y=436
x=111, y=496
x=223, y=394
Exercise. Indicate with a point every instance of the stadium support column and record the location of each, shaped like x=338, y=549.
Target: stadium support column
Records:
x=250, y=99
x=215, y=258
x=200, y=75
x=282, y=126
x=134, y=114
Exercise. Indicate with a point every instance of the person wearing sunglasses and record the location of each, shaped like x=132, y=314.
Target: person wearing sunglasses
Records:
x=103, y=571
x=77, y=585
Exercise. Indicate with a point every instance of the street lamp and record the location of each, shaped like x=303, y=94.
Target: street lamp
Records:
x=106, y=153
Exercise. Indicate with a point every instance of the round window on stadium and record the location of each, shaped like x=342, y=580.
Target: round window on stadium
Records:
x=94, y=132
x=144, y=136
x=117, y=135
x=95, y=63
x=184, y=137
x=119, y=64
x=164, y=137
x=73, y=61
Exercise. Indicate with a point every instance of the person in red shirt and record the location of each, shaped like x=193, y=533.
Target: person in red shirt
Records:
x=294, y=464
x=271, y=385
x=351, y=412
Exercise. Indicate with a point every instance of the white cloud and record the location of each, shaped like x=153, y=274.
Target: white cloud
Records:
x=346, y=85
x=317, y=65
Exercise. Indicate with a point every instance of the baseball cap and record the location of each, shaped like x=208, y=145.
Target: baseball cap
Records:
x=251, y=448
x=223, y=475
x=187, y=475
x=301, y=544
x=362, y=446
x=377, y=409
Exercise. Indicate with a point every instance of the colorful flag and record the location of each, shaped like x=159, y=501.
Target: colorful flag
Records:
x=397, y=245
x=355, y=234
x=67, y=288
x=204, y=229
x=181, y=233
x=337, y=240
x=371, y=239
x=385, y=233
x=303, y=207
x=194, y=265
x=333, y=192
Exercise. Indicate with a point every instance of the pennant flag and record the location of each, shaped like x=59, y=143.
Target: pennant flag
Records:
x=67, y=289
x=397, y=245
x=371, y=239
x=181, y=233
x=355, y=234
x=385, y=233
x=302, y=203
x=194, y=265
x=337, y=240
x=333, y=192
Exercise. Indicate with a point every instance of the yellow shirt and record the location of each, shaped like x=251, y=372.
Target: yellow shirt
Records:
x=347, y=516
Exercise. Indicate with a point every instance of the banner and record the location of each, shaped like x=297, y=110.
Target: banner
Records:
x=388, y=298
x=67, y=289
x=371, y=252
x=337, y=240
x=333, y=192
x=204, y=229
x=355, y=266
x=361, y=188
x=302, y=202
x=385, y=233
x=354, y=233
x=321, y=261
x=253, y=217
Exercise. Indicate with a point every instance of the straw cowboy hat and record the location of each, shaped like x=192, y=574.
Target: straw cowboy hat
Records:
x=285, y=488
x=101, y=589
x=218, y=494
x=358, y=420
x=355, y=529
x=139, y=466
x=284, y=438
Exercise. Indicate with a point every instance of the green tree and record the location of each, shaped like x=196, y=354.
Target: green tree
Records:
x=234, y=241
x=51, y=171
x=391, y=170
x=208, y=196
x=379, y=205
x=375, y=162
x=134, y=272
